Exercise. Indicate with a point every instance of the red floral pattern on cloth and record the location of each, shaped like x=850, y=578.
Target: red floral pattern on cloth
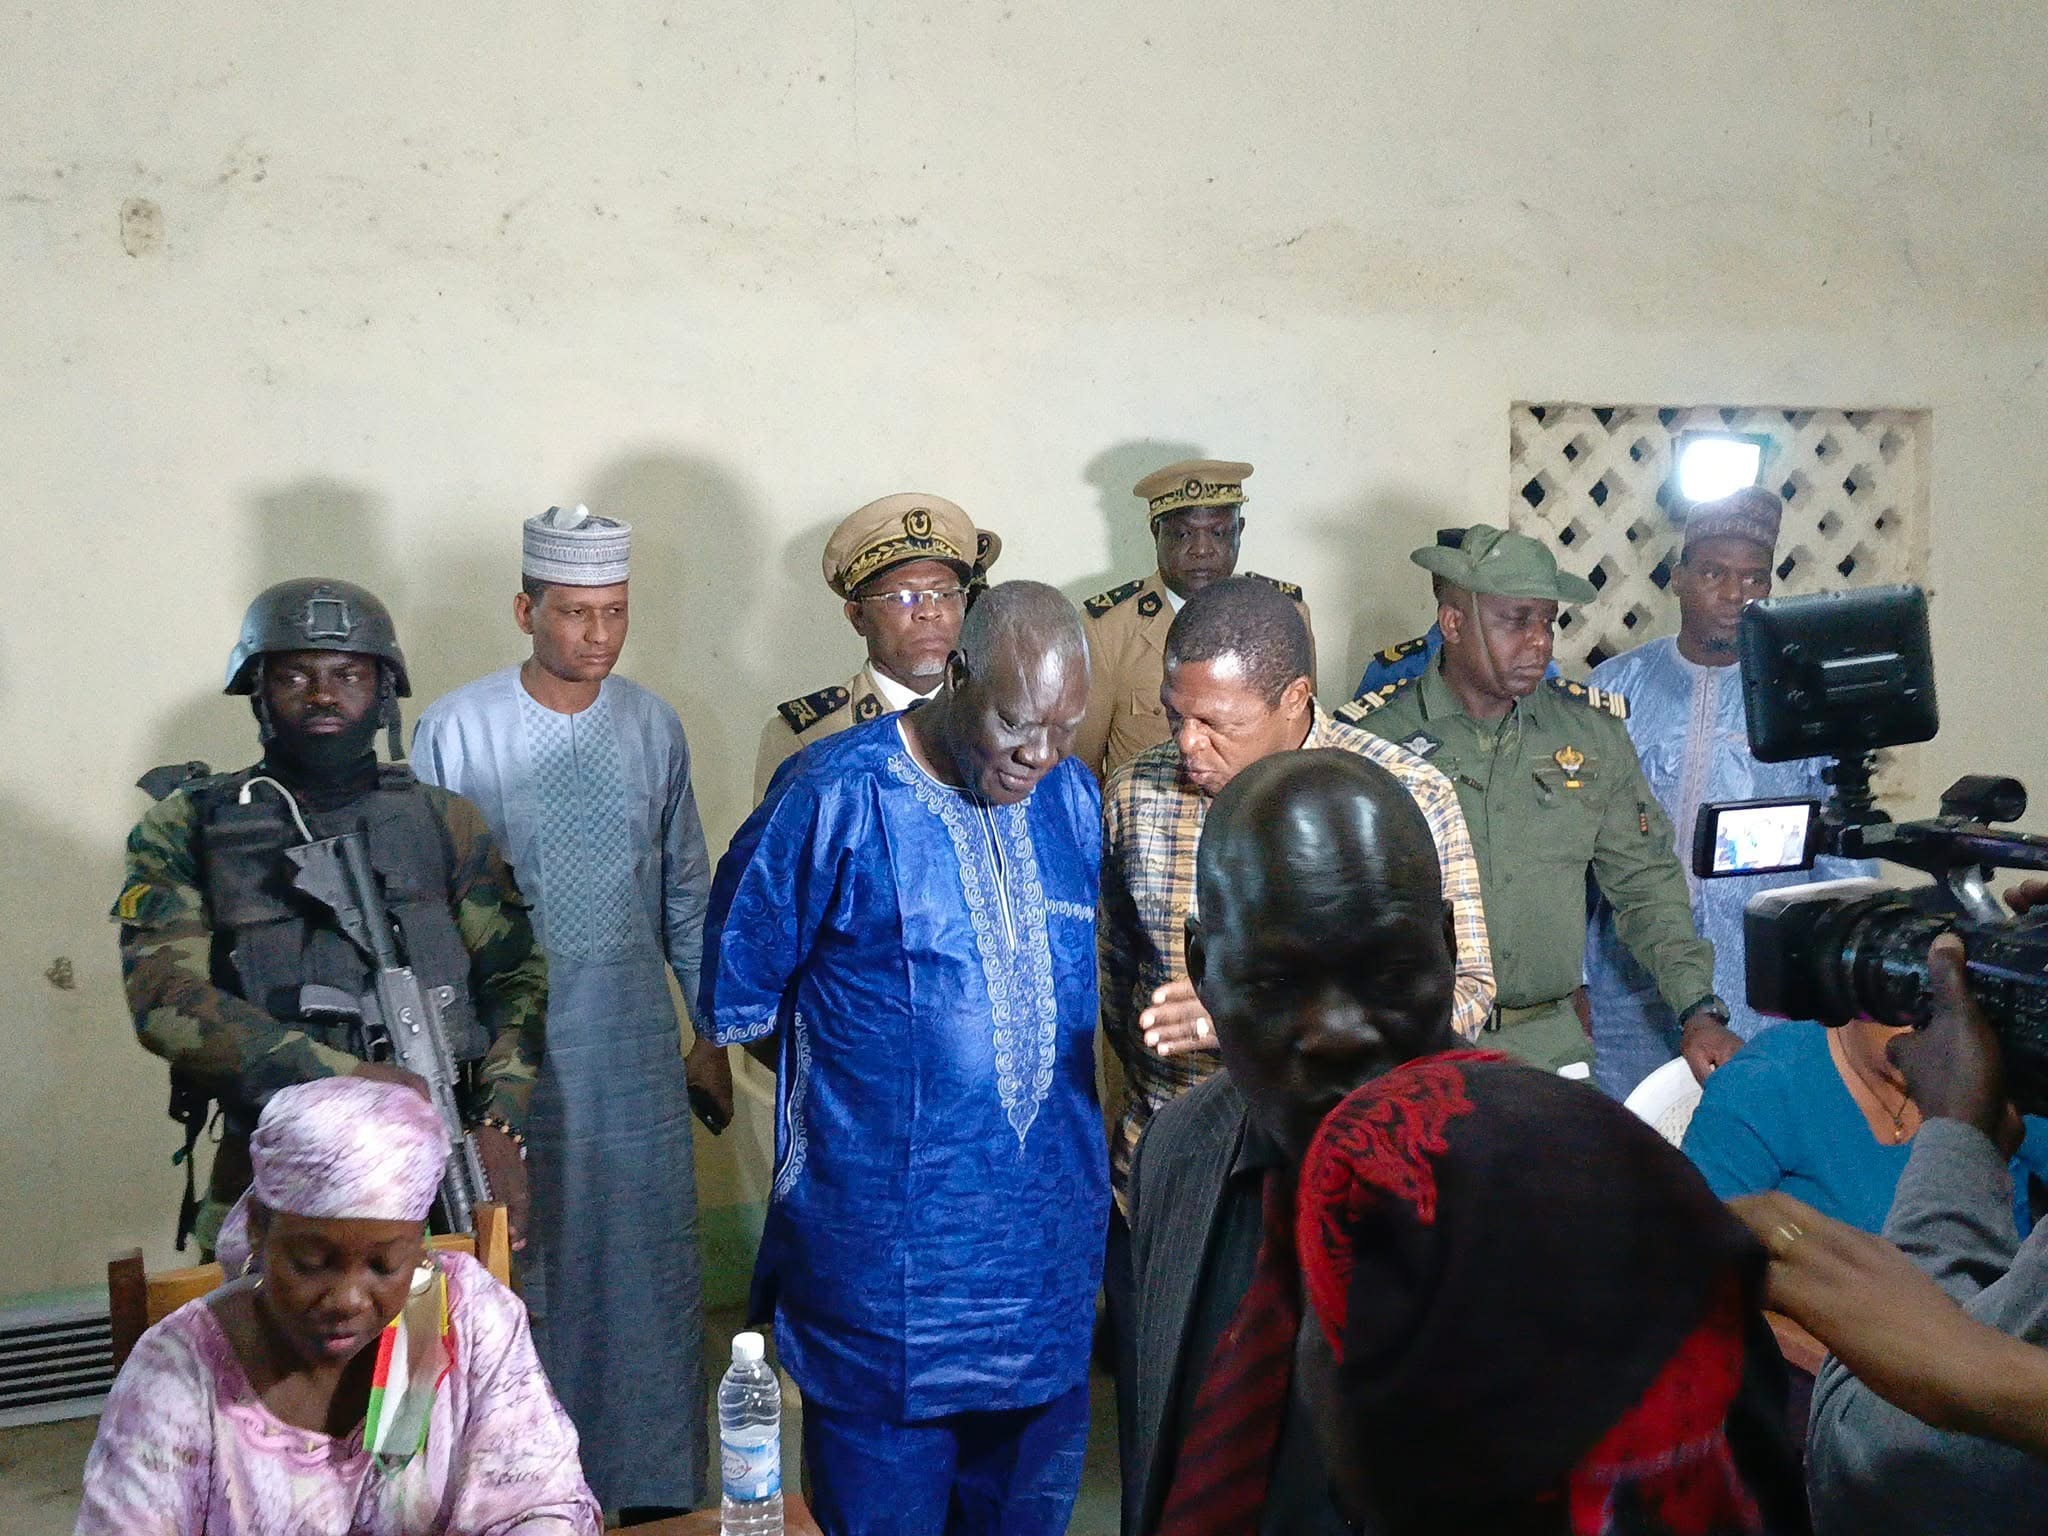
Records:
x=1379, y=1142
x=1670, y=1451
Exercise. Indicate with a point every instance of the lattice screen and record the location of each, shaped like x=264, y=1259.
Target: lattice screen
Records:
x=1593, y=481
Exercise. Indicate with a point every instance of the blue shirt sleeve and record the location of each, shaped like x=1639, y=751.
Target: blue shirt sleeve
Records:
x=765, y=906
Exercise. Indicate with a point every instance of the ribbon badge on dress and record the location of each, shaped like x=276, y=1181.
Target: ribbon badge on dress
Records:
x=414, y=1357
x=1571, y=760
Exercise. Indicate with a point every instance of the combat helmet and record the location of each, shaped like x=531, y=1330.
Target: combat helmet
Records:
x=316, y=613
x=319, y=613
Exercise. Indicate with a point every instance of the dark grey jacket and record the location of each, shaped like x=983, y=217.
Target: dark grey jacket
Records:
x=1177, y=1177
x=1873, y=1467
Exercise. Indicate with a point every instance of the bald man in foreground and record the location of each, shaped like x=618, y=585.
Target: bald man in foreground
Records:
x=1325, y=952
x=909, y=919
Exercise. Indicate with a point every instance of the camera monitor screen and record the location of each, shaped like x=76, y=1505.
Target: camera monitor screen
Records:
x=1755, y=837
x=1837, y=674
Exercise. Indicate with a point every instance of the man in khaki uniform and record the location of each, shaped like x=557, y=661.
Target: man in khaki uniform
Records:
x=1551, y=788
x=905, y=566
x=1196, y=515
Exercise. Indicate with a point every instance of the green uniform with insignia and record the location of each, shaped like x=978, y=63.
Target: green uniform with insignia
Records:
x=799, y=722
x=1551, y=791
x=1126, y=628
x=178, y=960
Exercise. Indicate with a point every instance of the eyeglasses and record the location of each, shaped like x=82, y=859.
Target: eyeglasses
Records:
x=906, y=602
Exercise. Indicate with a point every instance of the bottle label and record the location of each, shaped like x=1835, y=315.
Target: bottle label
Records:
x=751, y=1471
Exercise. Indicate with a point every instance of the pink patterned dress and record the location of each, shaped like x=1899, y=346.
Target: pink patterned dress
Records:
x=186, y=1448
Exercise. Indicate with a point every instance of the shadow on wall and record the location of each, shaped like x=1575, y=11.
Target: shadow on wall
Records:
x=1112, y=473
x=1354, y=545
x=82, y=1108
x=312, y=527
x=711, y=601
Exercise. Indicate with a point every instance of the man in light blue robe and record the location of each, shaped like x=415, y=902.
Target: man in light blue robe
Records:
x=1686, y=719
x=585, y=779
x=906, y=926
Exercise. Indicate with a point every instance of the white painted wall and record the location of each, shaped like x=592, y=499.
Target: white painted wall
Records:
x=730, y=269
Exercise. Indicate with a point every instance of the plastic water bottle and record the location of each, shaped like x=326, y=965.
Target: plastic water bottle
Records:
x=750, y=1443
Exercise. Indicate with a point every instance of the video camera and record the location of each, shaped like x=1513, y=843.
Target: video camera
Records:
x=1840, y=675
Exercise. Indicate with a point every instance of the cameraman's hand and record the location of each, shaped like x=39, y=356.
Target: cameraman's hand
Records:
x=1875, y=1310
x=1953, y=1068
x=2027, y=895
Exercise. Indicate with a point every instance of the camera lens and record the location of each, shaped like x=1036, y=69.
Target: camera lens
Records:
x=1876, y=964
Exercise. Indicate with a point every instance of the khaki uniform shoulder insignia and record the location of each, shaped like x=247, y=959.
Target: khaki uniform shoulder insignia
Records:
x=1150, y=604
x=1606, y=700
x=1273, y=581
x=1405, y=649
x=1102, y=602
x=1379, y=698
x=801, y=714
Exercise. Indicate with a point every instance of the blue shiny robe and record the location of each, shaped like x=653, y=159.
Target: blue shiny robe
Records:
x=1688, y=728
x=935, y=1227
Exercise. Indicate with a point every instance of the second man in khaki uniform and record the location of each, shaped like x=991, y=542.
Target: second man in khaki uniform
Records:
x=1197, y=520
x=904, y=566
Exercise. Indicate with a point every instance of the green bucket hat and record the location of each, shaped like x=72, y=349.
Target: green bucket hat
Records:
x=1504, y=564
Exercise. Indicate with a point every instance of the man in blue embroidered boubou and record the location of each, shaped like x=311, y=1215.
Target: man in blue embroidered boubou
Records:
x=906, y=928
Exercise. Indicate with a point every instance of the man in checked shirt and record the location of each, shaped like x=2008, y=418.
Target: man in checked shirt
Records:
x=1236, y=689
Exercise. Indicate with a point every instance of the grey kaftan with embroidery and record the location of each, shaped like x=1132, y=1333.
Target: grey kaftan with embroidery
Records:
x=596, y=813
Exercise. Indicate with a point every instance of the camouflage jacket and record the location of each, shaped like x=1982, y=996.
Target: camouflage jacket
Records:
x=237, y=1048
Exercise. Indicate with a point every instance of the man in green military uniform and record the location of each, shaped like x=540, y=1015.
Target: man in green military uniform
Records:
x=218, y=947
x=1551, y=789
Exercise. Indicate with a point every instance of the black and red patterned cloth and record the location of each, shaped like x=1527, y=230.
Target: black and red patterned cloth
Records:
x=1541, y=1315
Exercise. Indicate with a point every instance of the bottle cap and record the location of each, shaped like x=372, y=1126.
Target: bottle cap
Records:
x=747, y=1348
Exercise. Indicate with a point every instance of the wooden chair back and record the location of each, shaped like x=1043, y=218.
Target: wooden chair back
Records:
x=138, y=1300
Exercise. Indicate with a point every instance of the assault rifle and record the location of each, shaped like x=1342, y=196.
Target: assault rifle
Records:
x=400, y=1021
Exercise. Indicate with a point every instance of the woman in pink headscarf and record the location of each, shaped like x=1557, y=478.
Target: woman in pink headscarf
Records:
x=348, y=1380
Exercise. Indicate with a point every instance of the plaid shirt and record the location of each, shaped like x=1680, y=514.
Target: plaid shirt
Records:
x=1151, y=821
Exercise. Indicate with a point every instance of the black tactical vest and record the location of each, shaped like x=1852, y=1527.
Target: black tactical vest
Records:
x=270, y=940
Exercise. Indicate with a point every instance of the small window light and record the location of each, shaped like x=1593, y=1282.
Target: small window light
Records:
x=1711, y=465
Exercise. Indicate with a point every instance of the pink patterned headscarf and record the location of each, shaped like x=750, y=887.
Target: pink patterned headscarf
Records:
x=341, y=1147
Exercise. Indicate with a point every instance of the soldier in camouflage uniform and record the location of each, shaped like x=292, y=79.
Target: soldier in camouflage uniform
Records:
x=216, y=945
x=1551, y=789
